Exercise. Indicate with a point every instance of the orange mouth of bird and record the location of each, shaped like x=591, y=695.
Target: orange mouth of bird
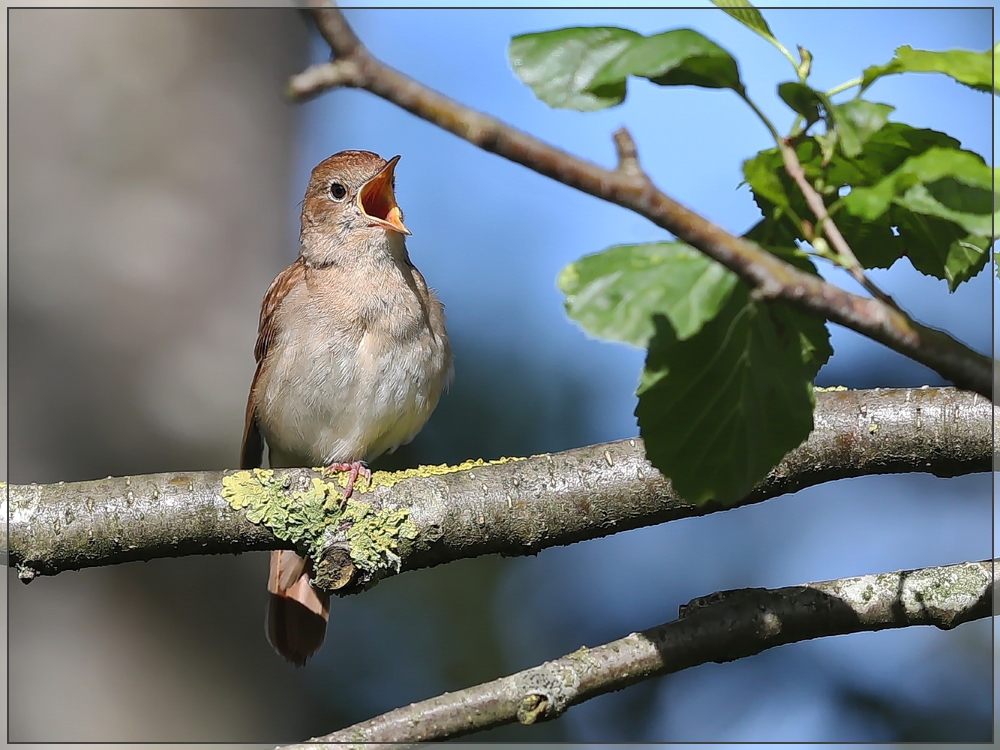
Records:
x=378, y=201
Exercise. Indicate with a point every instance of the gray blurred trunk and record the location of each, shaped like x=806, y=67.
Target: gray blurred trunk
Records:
x=150, y=200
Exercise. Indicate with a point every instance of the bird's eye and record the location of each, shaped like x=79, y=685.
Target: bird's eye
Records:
x=337, y=191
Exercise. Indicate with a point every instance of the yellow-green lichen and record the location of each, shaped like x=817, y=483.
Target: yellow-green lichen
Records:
x=375, y=536
x=305, y=517
x=301, y=516
x=390, y=478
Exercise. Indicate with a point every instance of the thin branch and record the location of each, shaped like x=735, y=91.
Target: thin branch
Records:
x=337, y=32
x=327, y=76
x=514, y=508
x=721, y=627
x=763, y=272
x=844, y=86
x=815, y=202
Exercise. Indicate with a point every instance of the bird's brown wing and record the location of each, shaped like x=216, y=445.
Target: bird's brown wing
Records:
x=252, y=450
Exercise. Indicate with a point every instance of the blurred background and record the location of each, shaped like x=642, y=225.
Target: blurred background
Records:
x=154, y=175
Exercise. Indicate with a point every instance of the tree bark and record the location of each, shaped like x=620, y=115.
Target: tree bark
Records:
x=722, y=627
x=514, y=508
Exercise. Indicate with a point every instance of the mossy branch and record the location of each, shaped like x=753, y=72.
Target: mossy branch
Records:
x=432, y=515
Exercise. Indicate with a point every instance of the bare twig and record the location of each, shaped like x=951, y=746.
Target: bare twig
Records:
x=337, y=32
x=513, y=508
x=722, y=627
x=767, y=275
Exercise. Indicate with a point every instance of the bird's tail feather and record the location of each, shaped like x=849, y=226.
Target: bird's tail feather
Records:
x=297, y=613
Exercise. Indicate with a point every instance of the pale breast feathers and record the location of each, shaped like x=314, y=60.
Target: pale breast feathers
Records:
x=358, y=373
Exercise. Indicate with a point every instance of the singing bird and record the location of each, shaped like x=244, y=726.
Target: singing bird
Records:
x=352, y=356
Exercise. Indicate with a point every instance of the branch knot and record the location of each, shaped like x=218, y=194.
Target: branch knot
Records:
x=548, y=691
x=628, y=154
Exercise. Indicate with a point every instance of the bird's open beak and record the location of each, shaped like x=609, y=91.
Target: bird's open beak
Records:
x=378, y=202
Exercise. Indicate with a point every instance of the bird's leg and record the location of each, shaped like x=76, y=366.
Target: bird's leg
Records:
x=356, y=469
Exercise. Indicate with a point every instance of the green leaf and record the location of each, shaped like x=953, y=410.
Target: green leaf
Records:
x=560, y=65
x=857, y=120
x=718, y=410
x=681, y=57
x=747, y=15
x=947, y=252
x=771, y=234
x=947, y=183
x=974, y=69
x=849, y=124
x=886, y=149
x=615, y=293
x=774, y=191
x=940, y=248
x=808, y=102
x=827, y=143
x=966, y=257
x=587, y=68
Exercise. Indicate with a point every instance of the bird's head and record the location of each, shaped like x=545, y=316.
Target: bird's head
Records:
x=350, y=207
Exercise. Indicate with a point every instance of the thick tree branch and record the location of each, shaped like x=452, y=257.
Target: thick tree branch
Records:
x=513, y=508
x=721, y=627
x=766, y=274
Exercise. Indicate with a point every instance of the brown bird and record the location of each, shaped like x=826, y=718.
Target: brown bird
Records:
x=352, y=356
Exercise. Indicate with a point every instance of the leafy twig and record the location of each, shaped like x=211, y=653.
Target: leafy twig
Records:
x=766, y=274
x=845, y=254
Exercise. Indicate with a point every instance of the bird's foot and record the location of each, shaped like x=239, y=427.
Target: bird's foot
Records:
x=356, y=469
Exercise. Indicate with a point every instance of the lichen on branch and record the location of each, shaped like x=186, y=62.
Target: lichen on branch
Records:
x=313, y=515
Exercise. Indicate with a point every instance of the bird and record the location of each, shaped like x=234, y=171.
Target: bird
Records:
x=352, y=357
